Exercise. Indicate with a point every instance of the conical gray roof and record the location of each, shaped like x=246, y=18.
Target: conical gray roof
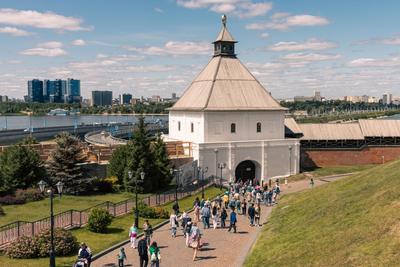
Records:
x=225, y=36
x=225, y=84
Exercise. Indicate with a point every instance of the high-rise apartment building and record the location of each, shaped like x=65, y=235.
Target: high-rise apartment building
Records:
x=387, y=99
x=125, y=99
x=101, y=98
x=35, y=90
x=54, y=91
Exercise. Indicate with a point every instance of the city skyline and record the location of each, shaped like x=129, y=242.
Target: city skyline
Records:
x=157, y=48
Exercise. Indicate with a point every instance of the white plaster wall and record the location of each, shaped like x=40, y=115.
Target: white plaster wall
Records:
x=185, y=134
x=218, y=125
x=271, y=157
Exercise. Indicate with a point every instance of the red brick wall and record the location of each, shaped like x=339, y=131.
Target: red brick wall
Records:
x=369, y=155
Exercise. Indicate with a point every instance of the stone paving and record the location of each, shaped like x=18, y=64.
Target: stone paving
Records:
x=221, y=248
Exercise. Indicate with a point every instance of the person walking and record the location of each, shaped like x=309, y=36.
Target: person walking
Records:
x=270, y=194
x=173, y=220
x=257, y=214
x=195, y=239
x=175, y=207
x=184, y=218
x=312, y=182
x=154, y=255
x=85, y=253
x=121, y=257
x=232, y=221
x=148, y=231
x=142, y=250
x=244, y=206
x=188, y=228
x=133, y=232
x=225, y=200
x=252, y=213
x=197, y=213
x=205, y=214
x=215, y=216
x=224, y=215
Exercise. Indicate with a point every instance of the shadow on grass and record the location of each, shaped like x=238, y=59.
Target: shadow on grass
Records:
x=114, y=230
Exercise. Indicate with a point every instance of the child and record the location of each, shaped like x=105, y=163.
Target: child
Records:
x=121, y=257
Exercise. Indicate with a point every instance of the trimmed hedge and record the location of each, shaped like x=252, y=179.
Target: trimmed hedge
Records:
x=28, y=247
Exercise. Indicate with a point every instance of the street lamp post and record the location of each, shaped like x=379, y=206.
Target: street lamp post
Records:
x=203, y=171
x=290, y=160
x=137, y=181
x=176, y=173
x=221, y=166
x=42, y=185
x=216, y=164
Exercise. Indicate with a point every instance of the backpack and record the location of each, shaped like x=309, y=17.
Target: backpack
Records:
x=277, y=190
x=142, y=248
x=195, y=233
x=153, y=257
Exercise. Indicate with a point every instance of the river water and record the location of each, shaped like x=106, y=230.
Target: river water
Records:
x=24, y=122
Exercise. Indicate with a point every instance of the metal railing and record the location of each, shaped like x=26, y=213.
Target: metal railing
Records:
x=77, y=218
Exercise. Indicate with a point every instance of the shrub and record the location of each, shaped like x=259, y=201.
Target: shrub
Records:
x=64, y=242
x=30, y=194
x=152, y=213
x=23, y=248
x=161, y=213
x=28, y=247
x=99, y=219
x=11, y=200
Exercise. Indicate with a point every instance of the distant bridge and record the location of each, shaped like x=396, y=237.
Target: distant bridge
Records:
x=8, y=137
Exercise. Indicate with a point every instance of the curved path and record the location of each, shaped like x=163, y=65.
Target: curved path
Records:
x=221, y=248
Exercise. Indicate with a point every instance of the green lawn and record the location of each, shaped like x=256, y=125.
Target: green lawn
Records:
x=98, y=242
x=350, y=222
x=331, y=170
x=32, y=211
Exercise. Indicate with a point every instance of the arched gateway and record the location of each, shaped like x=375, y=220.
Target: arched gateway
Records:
x=246, y=170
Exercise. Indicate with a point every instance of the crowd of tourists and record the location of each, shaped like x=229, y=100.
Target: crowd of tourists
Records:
x=241, y=200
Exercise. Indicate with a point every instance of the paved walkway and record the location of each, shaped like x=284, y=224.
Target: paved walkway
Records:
x=221, y=248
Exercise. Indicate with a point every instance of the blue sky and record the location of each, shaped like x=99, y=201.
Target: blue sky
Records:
x=157, y=47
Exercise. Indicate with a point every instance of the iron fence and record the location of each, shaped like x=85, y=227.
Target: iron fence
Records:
x=77, y=218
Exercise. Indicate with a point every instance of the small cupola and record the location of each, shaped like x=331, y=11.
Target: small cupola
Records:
x=224, y=45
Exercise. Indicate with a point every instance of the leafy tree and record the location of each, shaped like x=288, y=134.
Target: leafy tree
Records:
x=162, y=161
x=65, y=164
x=20, y=168
x=29, y=140
x=118, y=164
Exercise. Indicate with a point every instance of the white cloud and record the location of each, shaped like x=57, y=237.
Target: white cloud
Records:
x=373, y=62
x=49, y=49
x=172, y=48
x=391, y=41
x=310, y=57
x=264, y=35
x=151, y=68
x=14, y=31
x=311, y=44
x=283, y=21
x=238, y=8
x=159, y=10
x=79, y=42
x=46, y=20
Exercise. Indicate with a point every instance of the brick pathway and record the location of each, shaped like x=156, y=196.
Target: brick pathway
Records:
x=221, y=248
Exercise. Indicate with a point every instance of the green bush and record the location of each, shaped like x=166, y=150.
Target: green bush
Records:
x=99, y=219
x=30, y=194
x=152, y=213
x=28, y=247
x=64, y=243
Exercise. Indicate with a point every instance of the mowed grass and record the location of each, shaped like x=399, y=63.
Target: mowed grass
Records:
x=351, y=222
x=330, y=170
x=118, y=232
x=36, y=210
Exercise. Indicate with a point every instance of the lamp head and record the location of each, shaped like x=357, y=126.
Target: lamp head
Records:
x=142, y=174
x=130, y=174
x=60, y=186
x=42, y=184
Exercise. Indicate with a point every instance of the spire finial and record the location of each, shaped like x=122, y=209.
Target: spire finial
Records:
x=223, y=20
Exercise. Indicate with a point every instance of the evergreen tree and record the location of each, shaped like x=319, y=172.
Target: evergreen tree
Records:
x=143, y=160
x=65, y=164
x=162, y=161
x=118, y=164
x=20, y=168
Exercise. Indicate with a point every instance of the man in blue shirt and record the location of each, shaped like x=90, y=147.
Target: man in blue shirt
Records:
x=233, y=221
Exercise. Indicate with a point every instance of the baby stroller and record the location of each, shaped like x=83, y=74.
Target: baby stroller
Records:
x=80, y=263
